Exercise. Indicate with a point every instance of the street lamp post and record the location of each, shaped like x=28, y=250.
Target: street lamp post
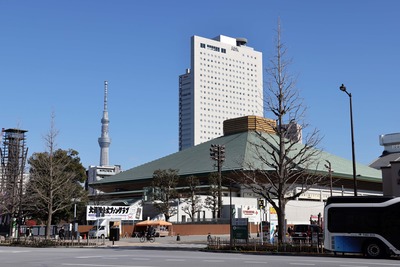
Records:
x=329, y=167
x=75, y=224
x=177, y=209
x=343, y=88
x=261, y=207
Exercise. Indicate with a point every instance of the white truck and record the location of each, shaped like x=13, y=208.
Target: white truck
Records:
x=101, y=228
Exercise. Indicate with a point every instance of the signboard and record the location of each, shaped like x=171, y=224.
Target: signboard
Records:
x=250, y=212
x=240, y=221
x=273, y=217
x=113, y=212
x=240, y=228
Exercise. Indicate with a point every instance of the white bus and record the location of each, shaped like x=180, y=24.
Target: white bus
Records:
x=367, y=225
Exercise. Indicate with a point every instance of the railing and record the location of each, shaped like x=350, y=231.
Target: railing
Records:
x=204, y=221
x=40, y=241
x=255, y=244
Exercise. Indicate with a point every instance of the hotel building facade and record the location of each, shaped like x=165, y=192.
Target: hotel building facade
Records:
x=225, y=81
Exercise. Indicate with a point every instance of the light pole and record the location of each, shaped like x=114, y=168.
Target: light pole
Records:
x=329, y=167
x=261, y=207
x=75, y=224
x=177, y=209
x=230, y=215
x=343, y=88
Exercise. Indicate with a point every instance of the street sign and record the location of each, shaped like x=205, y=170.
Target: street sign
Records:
x=240, y=221
x=240, y=228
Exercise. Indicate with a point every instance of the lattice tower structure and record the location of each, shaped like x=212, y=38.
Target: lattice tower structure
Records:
x=13, y=154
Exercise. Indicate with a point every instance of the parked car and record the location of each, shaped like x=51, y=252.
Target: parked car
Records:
x=306, y=233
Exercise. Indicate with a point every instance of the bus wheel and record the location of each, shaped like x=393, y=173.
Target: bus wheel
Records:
x=374, y=249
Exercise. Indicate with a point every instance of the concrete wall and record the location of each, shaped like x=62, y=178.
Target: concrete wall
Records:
x=205, y=229
x=391, y=179
x=181, y=229
x=199, y=229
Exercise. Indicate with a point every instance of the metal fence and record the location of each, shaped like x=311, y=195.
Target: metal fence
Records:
x=255, y=244
x=39, y=241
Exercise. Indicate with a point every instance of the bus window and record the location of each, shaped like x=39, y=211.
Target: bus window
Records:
x=368, y=225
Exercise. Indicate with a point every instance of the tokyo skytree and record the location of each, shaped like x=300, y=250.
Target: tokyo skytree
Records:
x=104, y=140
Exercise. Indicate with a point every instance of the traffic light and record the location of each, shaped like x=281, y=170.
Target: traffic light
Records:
x=261, y=204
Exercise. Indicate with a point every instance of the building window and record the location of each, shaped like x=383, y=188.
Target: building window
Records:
x=214, y=48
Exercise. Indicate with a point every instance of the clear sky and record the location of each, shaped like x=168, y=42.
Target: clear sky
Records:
x=56, y=55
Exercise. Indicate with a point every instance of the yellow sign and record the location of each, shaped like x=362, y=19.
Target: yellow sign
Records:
x=272, y=210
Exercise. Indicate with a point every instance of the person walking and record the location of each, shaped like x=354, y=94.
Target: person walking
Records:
x=61, y=233
x=27, y=232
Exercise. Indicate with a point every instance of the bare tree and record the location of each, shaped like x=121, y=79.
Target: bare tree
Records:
x=287, y=161
x=53, y=180
x=164, y=183
x=193, y=201
x=211, y=201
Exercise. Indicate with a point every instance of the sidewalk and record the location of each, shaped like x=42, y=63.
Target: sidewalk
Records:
x=190, y=242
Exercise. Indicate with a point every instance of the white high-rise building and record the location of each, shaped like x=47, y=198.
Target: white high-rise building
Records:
x=225, y=81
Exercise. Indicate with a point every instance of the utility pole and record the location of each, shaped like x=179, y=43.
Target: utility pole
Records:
x=217, y=153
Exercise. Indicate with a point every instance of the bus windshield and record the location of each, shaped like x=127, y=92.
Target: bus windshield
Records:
x=351, y=224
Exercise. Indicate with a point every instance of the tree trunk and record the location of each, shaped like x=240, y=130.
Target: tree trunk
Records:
x=281, y=221
x=48, y=225
x=166, y=217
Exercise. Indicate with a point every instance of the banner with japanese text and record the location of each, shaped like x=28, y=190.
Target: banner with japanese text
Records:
x=94, y=212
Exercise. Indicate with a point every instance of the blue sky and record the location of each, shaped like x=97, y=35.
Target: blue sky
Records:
x=55, y=56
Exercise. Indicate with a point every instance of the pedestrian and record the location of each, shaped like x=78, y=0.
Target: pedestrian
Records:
x=290, y=230
x=150, y=232
x=290, y=233
x=61, y=233
x=27, y=232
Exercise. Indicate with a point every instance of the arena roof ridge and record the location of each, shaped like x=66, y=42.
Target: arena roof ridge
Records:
x=196, y=161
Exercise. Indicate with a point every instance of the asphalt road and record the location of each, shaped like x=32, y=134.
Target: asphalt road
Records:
x=139, y=257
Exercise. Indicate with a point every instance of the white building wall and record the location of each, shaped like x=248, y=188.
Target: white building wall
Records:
x=238, y=204
x=97, y=173
x=227, y=82
x=297, y=211
x=391, y=179
x=300, y=211
x=310, y=203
